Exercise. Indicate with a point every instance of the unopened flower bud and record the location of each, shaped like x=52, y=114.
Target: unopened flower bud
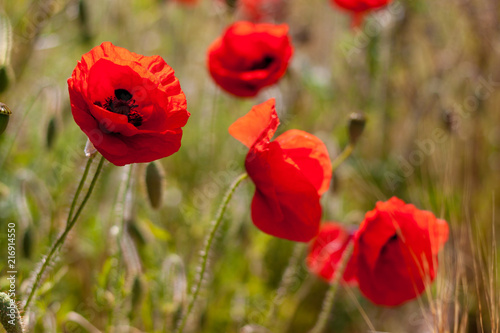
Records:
x=357, y=122
x=155, y=177
x=4, y=117
x=51, y=132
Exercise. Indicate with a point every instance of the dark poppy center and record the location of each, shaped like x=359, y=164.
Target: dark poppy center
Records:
x=391, y=240
x=122, y=103
x=262, y=64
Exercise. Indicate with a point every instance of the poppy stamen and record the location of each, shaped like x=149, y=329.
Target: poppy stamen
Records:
x=122, y=103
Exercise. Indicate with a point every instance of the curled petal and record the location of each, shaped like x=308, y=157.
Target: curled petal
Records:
x=258, y=125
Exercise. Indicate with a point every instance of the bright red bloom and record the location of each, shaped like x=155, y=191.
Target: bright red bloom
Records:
x=249, y=57
x=395, y=252
x=130, y=106
x=326, y=251
x=360, y=7
x=290, y=174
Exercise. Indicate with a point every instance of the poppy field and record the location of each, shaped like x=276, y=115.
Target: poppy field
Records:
x=249, y=166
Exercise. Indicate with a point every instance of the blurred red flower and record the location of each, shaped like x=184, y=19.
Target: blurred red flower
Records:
x=187, y=2
x=326, y=250
x=395, y=252
x=290, y=174
x=130, y=106
x=262, y=10
x=249, y=57
x=360, y=7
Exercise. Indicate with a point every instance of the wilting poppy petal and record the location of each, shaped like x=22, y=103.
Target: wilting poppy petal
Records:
x=286, y=201
x=249, y=57
x=257, y=125
x=130, y=106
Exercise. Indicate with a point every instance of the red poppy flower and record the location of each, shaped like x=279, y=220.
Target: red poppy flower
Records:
x=249, y=57
x=396, y=251
x=130, y=106
x=326, y=251
x=360, y=7
x=188, y=2
x=261, y=10
x=290, y=173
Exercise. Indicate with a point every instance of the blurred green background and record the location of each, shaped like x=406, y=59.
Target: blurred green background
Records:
x=425, y=73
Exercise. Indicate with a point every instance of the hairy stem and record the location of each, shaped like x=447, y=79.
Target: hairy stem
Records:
x=69, y=225
x=342, y=157
x=206, y=250
x=326, y=309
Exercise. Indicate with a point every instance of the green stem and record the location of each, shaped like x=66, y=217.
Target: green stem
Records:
x=342, y=157
x=326, y=309
x=208, y=245
x=286, y=283
x=69, y=225
x=80, y=187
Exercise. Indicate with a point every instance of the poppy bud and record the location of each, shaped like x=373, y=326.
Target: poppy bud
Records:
x=5, y=49
x=357, y=122
x=4, y=78
x=9, y=315
x=83, y=19
x=28, y=242
x=51, y=132
x=4, y=117
x=137, y=293
x=154, y=183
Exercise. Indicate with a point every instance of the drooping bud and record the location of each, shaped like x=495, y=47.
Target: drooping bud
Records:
x=5, y=50
x=137, y=293
x=9, y=314
x=27, y=243
x=155, y=177
x=51, y=132
x=357, y=121
x=4, y=117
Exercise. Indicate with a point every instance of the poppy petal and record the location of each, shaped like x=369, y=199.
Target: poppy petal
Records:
x=326, y=252
x=257, y=125
x=310, y=155
x=281, y=207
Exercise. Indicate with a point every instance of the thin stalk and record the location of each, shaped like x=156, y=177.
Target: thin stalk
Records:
x=69, y=225
x=342, y=157
x=79, y=188
x=330, y=295
x=286, y=282
x=208, y=245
